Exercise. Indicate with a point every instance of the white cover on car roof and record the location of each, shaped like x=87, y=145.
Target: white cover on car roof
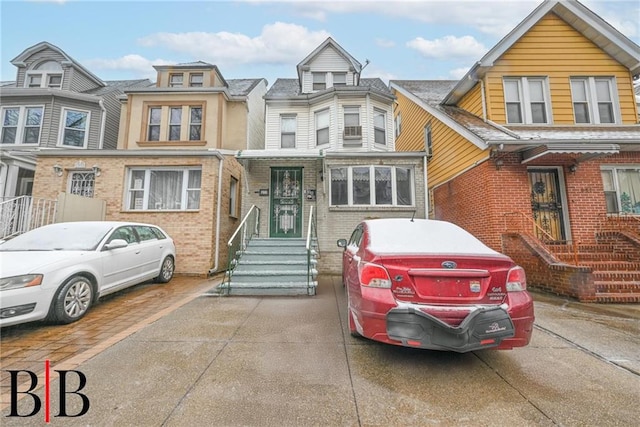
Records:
x=422, y=236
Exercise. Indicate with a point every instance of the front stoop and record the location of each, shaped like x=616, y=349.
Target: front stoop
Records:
x=616, y=277
x=276, y=267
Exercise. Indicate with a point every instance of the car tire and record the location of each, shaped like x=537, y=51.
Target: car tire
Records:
x=72, y=301
x=166, y=270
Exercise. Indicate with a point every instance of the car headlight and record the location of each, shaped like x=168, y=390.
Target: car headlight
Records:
x=23, y=281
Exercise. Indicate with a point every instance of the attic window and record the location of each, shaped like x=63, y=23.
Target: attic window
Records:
x=195, y=80
x=526, y=100
x=339, y=79
x=319, y=81
x=175, y=80
x=46, y=74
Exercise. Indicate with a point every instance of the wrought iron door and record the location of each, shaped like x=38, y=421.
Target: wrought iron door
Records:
x=286, y=202
x=547, y=204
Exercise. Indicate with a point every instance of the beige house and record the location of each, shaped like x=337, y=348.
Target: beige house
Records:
x=175, y=164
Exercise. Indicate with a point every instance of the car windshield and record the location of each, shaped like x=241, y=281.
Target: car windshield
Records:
x=72, y=236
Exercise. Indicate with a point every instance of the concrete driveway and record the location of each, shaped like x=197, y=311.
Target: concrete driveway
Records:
x=220, y=361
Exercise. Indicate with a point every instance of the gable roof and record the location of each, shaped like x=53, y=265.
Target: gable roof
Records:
x=357, y=66
x=18, y=61
x=574, y=13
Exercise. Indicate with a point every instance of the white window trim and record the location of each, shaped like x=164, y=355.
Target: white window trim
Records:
x=184, y=197
x=88, y=174
x=614, y=169
x=592, y=99
x=372, y=187
x=313, y=80
x=45, y=75
x=63, y=116
x=525, y=99
x=316, y=129
x=386, y=136
x=295, y=133
x=234, y=185
x=22, y=119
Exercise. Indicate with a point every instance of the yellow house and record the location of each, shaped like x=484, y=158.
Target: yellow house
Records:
x=536, y=150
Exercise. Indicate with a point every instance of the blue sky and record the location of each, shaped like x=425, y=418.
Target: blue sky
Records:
x=260, y=38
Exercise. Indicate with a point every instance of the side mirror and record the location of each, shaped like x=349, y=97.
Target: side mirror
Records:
x=115, y=244
x=342, y=243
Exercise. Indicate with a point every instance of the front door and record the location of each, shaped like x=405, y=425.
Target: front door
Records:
x=286, y=202
x=547, y=204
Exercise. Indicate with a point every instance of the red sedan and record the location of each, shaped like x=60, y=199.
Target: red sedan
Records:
x=431, y=284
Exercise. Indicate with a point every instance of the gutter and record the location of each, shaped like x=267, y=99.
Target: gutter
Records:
x=103, y=125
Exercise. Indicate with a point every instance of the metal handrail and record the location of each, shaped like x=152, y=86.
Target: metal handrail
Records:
x=237, y=244
x=312, y=247
x=21, y=214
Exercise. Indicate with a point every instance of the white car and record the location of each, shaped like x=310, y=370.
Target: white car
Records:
x=57, y=271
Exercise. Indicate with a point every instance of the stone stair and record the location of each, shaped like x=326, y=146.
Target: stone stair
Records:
x=274, y=267
x=616, y=274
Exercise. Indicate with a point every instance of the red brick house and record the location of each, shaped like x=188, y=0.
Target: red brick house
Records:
x=537, y=151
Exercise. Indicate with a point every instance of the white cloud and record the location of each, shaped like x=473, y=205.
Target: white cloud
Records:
x=458, y=73
x=279, y=43
x=135, y=63
x=448, y=47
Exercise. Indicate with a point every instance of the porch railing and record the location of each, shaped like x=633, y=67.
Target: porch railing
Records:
x=248, y=228
x=21, y=214
x=313, y=249
x=522, y=223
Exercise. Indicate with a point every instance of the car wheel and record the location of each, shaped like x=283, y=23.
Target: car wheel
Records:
x=166, y=271
x=72, y=301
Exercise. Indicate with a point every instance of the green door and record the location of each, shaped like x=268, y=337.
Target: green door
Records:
x=286, y=202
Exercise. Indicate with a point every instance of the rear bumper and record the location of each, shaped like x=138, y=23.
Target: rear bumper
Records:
x=484, y=327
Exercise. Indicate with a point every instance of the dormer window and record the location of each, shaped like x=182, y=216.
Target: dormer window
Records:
x=175, y=80
x=339, y=79
x=47, y=74
x=319, y=81
x=195, y=80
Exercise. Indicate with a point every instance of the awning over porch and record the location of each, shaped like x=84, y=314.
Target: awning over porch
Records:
x=585, y=150
x=280, y=154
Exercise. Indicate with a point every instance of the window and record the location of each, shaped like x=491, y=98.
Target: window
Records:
x=288, y=125
x=153, y=132
x=46, y=74
x=322, y=127
x=164, y=189
x=81, y=183
x=526, y=100
x=339, y=79
x=379, y=126
x=21, y=125
x=233, y=197
x=195, y=123
x=398, y=124
x=175, y=119
x=319, y=81
x=175, y=80
x=594, y=100
x=428, y=143
x=195, y=80
x=352, y=128
x=622, y=189
x=371, y=185
x=74, y=129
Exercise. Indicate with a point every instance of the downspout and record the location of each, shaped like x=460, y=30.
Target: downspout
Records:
x=426, y=188
x=104, y=124
x=219, y=203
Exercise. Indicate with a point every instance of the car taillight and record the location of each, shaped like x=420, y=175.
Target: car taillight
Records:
x=373, y=275
x=516, y=280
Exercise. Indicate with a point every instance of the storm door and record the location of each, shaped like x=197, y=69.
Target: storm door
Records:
x=547, y=204
x=286, y=202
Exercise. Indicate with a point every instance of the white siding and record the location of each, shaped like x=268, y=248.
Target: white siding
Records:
x=327, y=61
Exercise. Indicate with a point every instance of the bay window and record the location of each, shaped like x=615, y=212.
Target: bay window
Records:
x=74, y=129
x=164, y=188
x=379, y=126
x=21, y=125
x=370, y=185
x=174, y=123
x=322, y=127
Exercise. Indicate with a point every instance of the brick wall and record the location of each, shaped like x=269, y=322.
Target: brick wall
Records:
x=193, y=231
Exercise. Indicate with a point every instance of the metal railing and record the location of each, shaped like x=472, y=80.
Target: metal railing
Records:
x=522, y=223
x=21, y=214
x=313, y=249
x=248, y=228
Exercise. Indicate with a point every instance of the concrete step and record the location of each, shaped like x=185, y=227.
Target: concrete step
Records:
x=270, y=276
x=248, y=265
x=278, y=243
x=254, y=256
x=291, y=288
